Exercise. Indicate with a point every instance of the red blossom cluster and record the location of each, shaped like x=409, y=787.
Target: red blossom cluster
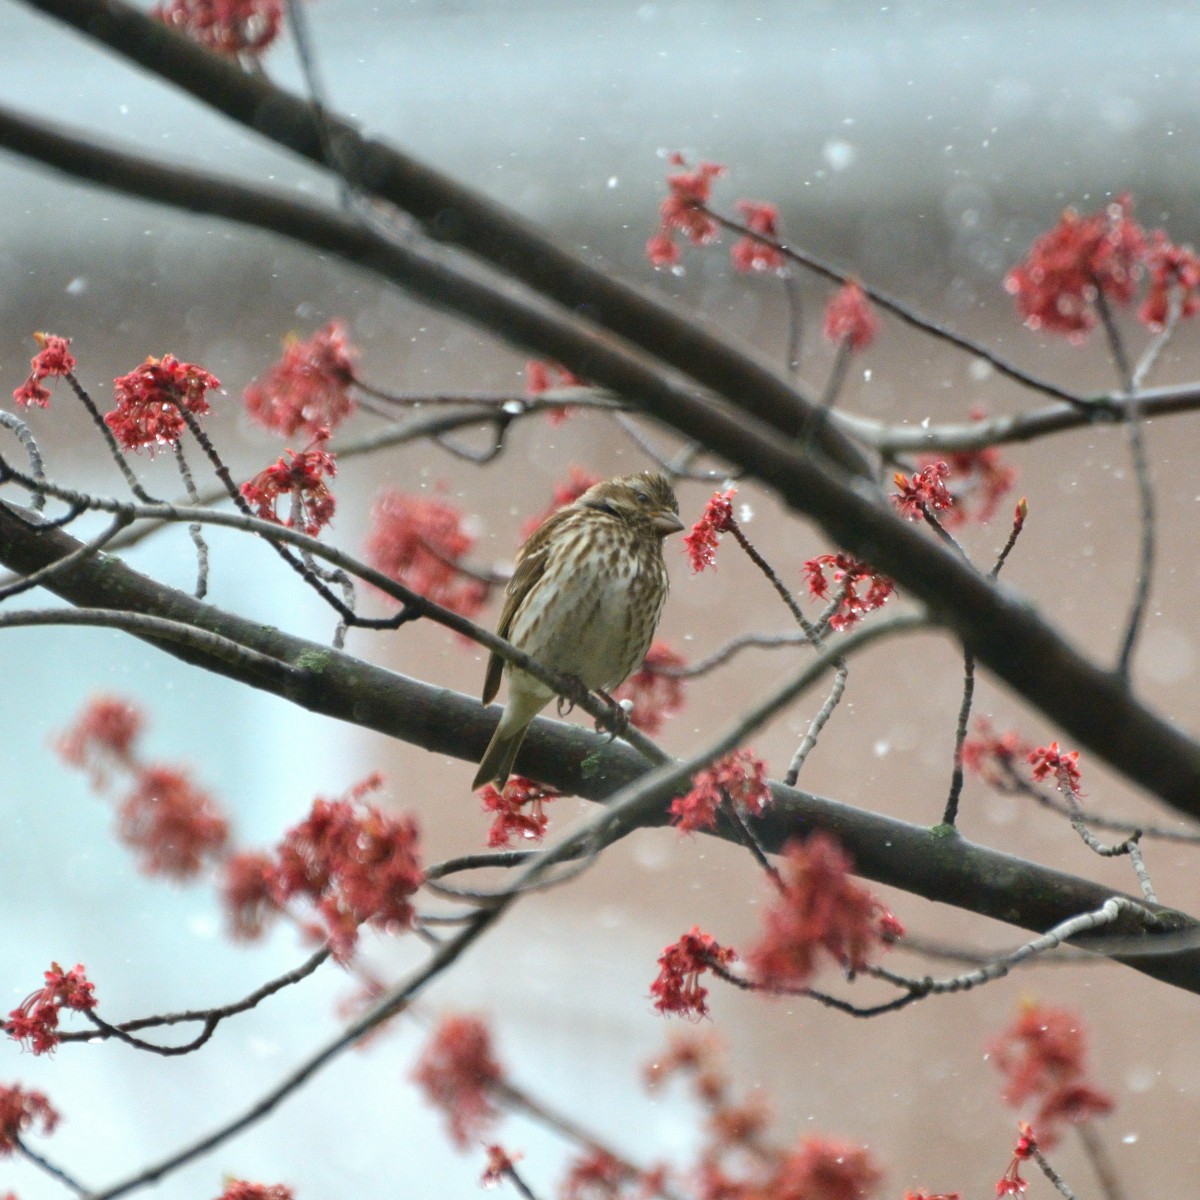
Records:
x=740, y=778
x=994, y=756
x=859, y=588
x=1049, y=760
x=230, y=27
x=170, y=822
x=599, y=1175
x=577, y=482
x=52, y=360
x=682, y=211
x=20, y=1111
x=511, y=822
x=458, y=1071
x=1011, y=1183
x=654, y=694
x=35, y=1020
x=821, y=913
x=240, y=1189
x=501, y=1165
x=748, y=253
x=925, y=492
x=353, y=863
x=1170, y=269
x=700, y=542
x=151, y=400
x=981, y=479
x=678, y=989
x=302, y=480
x=544, y=377
x=418, y=543
x=308, y=389
x=1042, y=1056
x=849, y=319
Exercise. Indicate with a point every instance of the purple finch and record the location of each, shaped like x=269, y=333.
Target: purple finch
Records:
x=584, y=601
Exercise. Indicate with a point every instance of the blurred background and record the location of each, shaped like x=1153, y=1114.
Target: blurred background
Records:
x=920, y=145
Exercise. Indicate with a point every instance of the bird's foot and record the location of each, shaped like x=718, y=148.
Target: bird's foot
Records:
x=616, y=721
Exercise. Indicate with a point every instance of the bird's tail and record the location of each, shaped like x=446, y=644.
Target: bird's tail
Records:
x=499, y=757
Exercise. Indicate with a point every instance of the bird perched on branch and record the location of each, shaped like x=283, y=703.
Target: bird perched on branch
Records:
x=584, y=600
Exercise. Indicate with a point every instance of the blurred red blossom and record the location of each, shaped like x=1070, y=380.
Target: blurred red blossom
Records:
x=994, y=756
x=924, y=492
x=547, y=376
x=418, y=543
x=849, y=319
x=1043, y=1057
x=457, y=1071
x=248, y=893
x=748, y=253
x=1169, y=267
x=1081, y=258
x=511, y=822
x=700, y=543
x=20, y=1111
x=308, y=389
x=230, y=27
x=822, y=913
x=171, y=823
x=35, y=1019
x=655, y=695
x=101, y=736
x=52, y=360
x=859, y=587
x=577, y=482
x=823, y=1169
x=354, y=863
x=302, y=480
x=240, y=1189
x=678, y=989
x=1049, y=760
x=500, y=1166
x=151, y=400
x=683, y=210
x=740, y=775
x=980, y=480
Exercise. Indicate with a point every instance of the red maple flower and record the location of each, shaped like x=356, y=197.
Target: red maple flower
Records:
x=457, y=1071
x=1043, y=1057
x=52, y=360
x=240, y=1189
x=577, y=482
x=821, y=913
x=230, y=27
x=683, y=210
x=677, y=988
x=595, y=1175
x=510, y=821
x=355, y=864
x=924, y=492
x=500, y=1166
x=1081, y=258
x=302, y=480
x=547, y=376
x=700, y=543
x=35, y=1020
x=740, y=776
x=20, y=1110
x=418, y=543
x=1048, y=760
x=308, y=389
x=103, y=734
x=1169, y=268
x=993, y=756
x=748, y=253
x=248, y=893
x=908, y=1195
x=655, y=695
x=1011, y=1183
x=151, y=400
x=860, y=587
x=171, y=823
x=822, y=1169
x=849, y=318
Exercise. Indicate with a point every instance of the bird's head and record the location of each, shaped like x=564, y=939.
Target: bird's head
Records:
x=643, y=500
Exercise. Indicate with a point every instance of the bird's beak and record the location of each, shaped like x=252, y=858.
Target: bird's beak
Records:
x=665, y=521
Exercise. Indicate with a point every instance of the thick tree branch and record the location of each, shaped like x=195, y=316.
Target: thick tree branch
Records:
x=946, y=869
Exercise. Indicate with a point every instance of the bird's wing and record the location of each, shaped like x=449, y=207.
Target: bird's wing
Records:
x=529, y=568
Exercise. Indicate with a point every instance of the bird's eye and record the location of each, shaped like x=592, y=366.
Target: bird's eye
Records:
x=641, y=497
